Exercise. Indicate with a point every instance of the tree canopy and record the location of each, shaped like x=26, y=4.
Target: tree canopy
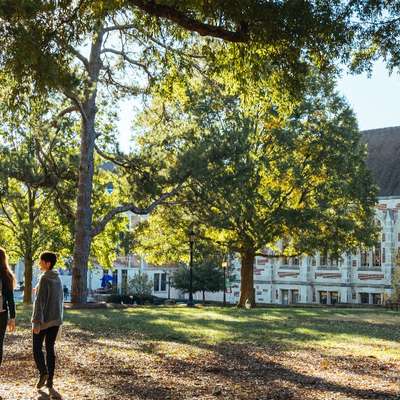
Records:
x=93, y=53
x=259, y=178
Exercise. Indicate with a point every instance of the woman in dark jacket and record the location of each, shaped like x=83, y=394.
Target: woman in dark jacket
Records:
x=7, y=305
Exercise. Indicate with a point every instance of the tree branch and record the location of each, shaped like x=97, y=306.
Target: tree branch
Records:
x=129, y=60
x=62, y=113
x=131, y=207
x=74, y=98
x=80, y=57
x=119, y=27
x=180, y=18
x=7, y=215
x=109, y=79
x=108, y=157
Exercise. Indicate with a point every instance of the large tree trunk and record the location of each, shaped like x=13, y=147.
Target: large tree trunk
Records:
x=83, y=224
x=28, y=266
x=247, y=297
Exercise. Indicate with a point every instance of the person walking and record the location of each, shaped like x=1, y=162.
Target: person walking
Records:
x=7, y=304
x=66, y=292
x=47, y=317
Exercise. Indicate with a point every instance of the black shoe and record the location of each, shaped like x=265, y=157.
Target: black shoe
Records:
x=42, y=380
x=49, y=384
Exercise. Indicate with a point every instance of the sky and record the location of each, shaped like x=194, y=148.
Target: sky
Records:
x=375, y=100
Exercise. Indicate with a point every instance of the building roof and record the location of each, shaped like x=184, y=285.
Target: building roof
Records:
x=384, y=158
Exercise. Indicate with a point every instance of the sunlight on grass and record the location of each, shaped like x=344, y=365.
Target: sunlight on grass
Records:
x=357, y=332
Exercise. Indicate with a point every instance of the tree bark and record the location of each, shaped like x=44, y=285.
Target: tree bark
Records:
x=28, y=266
x=83, y=224
x=247, y=297
x=28, y=251
x=240, y=35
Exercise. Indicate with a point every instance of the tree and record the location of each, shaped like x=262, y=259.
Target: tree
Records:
x=272, y=43
x=29, y=220
x=377, y=35
x=38, y=177
x=266, y=182
x=141, y=285
x=207, y=277
x=287, y=33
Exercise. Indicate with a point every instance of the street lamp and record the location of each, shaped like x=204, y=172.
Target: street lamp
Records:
x=224, y=266
x=191, y=242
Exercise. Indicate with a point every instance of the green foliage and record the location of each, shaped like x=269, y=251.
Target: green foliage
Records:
x=33, y=164
x=396, y=280
x=207, y=277
x=274, y=42
x=258, y=177
x=263, y=66
x=106, y=245
x=141, y=285
x=163, y=239
x=376, y=34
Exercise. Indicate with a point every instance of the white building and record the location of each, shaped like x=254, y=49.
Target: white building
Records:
x=361, y=278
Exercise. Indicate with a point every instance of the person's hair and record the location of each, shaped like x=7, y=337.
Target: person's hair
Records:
x=5, y=271
x=49, y=256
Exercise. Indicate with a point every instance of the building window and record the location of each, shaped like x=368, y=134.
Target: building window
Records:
x=163, y=287
x=323, y=297
x=156, y=281
x=285, y=296
x=383, y=237
x=364, y=258
x=160, y=282
x=398, y=237
x=295, y=261
x=334, y=261
x=334, y=297
x=377, y=255
x=364, y=298
x=383, y=255
x=376, y=298
x=323, y=259
x=313, y=261
x=295, y=296
x=354, y=263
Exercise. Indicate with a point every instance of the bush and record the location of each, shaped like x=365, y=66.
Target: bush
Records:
x=134, y=299
x=141, y=286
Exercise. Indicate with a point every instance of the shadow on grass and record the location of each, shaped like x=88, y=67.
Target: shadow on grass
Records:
x=235, y=368
x=278, y=327
x=237, y=340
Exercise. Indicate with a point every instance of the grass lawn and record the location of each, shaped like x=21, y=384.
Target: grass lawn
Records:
x=214, y=353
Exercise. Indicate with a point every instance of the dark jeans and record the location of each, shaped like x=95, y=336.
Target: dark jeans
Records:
x=3, y=327
x=49, y=336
